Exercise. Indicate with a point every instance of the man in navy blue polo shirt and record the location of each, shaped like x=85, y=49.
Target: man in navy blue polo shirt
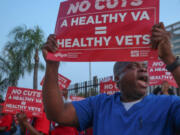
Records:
x=131, y=112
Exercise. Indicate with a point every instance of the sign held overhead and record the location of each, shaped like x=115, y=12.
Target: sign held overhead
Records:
x=105, y=30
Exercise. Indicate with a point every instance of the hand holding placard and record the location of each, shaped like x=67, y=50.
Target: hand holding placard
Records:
x=50, y=46
x=21, y=117
x=161, y=40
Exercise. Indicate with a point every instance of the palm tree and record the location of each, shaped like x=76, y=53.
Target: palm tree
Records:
x=26, y=44
x=34, y=45
x=3, y=85
x=11, y=69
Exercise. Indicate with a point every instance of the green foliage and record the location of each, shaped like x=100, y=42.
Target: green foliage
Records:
x=25, y=42
x=18, y=54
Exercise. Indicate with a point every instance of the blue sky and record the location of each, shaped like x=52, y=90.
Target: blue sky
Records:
x=44, y=14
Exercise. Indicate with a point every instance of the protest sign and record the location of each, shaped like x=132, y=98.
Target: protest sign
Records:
x=158, y=73
x=108, y=87
x=105, y=30
x=23, y=99
x=106, y=79
x=62, y=81
x=76, y=98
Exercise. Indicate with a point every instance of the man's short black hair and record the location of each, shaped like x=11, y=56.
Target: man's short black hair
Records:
x=119, y=66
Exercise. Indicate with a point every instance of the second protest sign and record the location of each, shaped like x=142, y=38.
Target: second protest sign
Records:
x=23, y=99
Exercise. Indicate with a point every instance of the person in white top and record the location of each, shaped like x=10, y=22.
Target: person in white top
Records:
x=66, y=98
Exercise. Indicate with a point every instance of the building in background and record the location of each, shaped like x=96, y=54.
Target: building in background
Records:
x=175, y=32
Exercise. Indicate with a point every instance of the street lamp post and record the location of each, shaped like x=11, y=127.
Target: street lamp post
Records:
x=90, y=78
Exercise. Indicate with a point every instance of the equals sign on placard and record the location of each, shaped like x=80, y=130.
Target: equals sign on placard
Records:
x=100, y=30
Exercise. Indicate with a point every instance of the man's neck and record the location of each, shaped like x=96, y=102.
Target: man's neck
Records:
x=165, y=93
x=130, y=98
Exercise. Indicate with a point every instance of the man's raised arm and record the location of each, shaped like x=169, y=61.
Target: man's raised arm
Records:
x=161, y=40
x=55, y=108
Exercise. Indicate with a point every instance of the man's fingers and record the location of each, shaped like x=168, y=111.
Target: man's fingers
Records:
x=156, y=25
x=52, y=39
x=154, y=46
x=159, y=25
x=154, y=34
x=156, y=39
x=51, y=36
x=162, y=25
x=46, y=48
x=50, y=48
x=163, y=35
x=156, y=29
x=52, y=42
x=155, y=42
x=159, y=35
x=51, y=45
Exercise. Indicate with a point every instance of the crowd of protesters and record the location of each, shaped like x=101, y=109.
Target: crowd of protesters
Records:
x=129, y=112
x=21, y=124
x=6, y=120
x=164, y=89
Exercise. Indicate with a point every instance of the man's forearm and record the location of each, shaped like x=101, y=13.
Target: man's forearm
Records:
x=31, y=129
x=52, y=97
x=176, y=72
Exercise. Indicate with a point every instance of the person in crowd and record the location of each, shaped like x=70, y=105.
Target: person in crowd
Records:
x=164, y=89
x=130, y=112
x=34, y=125
x=17, y=126
x=5, y=121
x=66, y=96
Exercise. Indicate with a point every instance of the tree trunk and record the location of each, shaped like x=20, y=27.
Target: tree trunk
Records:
x=35, y=79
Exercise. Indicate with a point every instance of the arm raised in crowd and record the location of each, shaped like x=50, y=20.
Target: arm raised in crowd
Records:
x=25, y=125
x=56, y=110
x=2, y=129
x=161, y=40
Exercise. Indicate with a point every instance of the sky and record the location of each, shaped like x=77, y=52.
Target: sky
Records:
x=44, y=14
